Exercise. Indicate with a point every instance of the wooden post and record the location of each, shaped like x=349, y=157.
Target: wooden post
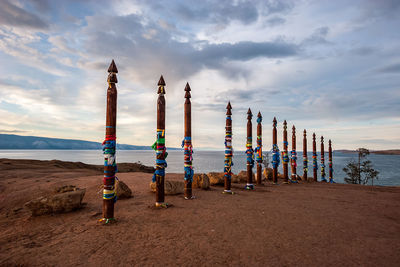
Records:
x=315, y=161
x=161, y=153
x=293, y=156
x=275, y=153
x=187, y=143
x=285, y=156
x=323, y=179
x=258, y=150
x=109, y=146
x=228, y=151
x=305, y=157
x=330, y=162
x=249, y=152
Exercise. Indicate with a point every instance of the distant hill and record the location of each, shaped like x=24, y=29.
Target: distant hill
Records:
x=11, y=141
x=379, y=152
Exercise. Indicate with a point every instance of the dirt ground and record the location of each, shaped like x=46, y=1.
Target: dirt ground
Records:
x=309, y=224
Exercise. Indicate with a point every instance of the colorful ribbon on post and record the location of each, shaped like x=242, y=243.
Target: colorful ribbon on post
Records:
x=323, y=168
x=109, y=146
x=249, y=152
x=315, y=161
x=228, y=154
x=331, y=172
x=258, y=150
x=293, y=162
x=188, y=158
x=305, y=163
x=293, y=157
x=159, y=147
x=275, y=156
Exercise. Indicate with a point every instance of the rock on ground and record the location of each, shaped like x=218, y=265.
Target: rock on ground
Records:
x=170, y=187
x=216, y=178
x=122, y=190
x=58, y=203
x=201, y=180
x=268, y=173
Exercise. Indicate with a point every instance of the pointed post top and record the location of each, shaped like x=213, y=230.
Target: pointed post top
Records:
x=284, y=122
x=161, y=82
x=161, y=88
x=294, y=128
x=187, y=87
x=187, y=91
x=330, y=142
x=249, y=114
x=228, y=108
x=313, y=135
x=284, y=125
x=322, y=139
x=274, y=122
x=112, y=68
x=305, y=132
x=259, y=114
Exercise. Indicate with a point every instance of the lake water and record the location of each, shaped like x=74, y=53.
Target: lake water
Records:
x=213, y=161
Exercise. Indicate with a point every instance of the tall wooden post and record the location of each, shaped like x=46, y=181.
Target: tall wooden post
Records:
x=228, y=151
x=285, y=156
x=293, y=156
x=275, y=153
x=161, y=153
x=315, y=161
x=109, y=145
x=323, y=179
x=305, y=157
x=187, y=143
x=330, y=162
x=258, y=150
x=249, y=151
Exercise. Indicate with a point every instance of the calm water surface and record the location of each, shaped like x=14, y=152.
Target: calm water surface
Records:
x=208, y=161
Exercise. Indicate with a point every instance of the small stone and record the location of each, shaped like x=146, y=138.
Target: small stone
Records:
x=122, y=190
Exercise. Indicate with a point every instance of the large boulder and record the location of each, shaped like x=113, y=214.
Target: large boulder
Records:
x=201, y=180
x=216, y=178
x=68, y=200
x=122, y=190
x=170, y=187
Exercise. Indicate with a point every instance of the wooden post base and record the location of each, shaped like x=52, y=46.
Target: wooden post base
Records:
x=162, y=205
x=107, y=221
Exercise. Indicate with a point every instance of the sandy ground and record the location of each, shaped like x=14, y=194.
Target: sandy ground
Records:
x=308, y=224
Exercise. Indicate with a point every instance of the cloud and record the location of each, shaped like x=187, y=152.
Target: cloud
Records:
x=393, y=68
x=153, y=46
x=12, y=131
x=318, y=37
x=381, y=9
x=275, y=21
x=363, y=50
x=13, y=15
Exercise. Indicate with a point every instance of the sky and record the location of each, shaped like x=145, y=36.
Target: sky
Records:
x=331, y=67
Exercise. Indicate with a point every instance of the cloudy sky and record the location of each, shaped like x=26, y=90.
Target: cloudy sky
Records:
x=330, y=67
